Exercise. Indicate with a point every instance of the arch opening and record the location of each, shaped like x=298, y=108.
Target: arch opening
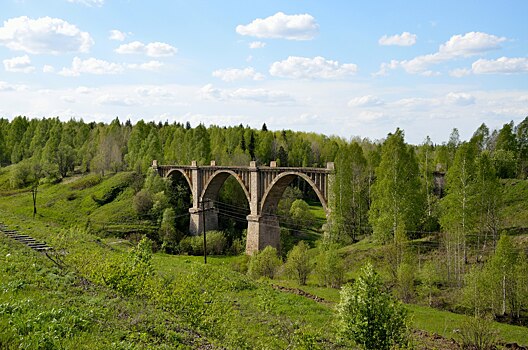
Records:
x=180, y=199
x=297, y=207
x=230, y=200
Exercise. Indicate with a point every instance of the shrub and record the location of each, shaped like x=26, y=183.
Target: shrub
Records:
x=193, y=245
x=369, y=315
x=329, y=268
x=128, y=275
x=406, y=277
x=21, y=175
x=298, y=264
x=264, y=263
x=143, y=202
x=477, y=333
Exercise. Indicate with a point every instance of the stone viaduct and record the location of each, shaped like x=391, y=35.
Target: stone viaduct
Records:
x=263, y=186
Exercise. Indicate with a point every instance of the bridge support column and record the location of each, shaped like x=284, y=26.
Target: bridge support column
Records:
x=262, y=231
x=196, y=223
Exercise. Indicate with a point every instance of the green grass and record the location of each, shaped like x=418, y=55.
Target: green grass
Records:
x=255, y=315
x=515, y=212
x=44, y=307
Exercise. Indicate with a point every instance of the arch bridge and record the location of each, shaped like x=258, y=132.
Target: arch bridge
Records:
x=263, y=187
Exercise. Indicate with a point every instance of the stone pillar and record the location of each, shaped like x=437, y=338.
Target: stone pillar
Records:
x=196, y=222
x=211, y=215
x=262, y=231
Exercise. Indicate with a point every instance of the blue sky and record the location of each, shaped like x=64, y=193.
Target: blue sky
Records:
x=347, y=68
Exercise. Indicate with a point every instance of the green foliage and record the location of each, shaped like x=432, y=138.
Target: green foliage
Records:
x=369, y=315
x=505, y=163
x=215, y=241
x=350, y=194
x=478, y=333
x=459, y=208
x=430, y=278
x=129, y=274
x=298, y=264
x=397, y=202
x=264, y=263
x=143, y=203
x=86, y=182
x=300, y=214
x=501, y=286
x=168, y=233
x=110, y=195
x=508, y=276
x=329, y=267
x=406, y=278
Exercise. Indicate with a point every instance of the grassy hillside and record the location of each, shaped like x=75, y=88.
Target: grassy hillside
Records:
x=182, y=303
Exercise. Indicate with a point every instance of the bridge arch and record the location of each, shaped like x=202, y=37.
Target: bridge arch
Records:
x=215, y=182
x=185, y=176
x=275, y=190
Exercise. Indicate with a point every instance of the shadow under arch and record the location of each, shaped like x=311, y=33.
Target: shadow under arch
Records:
x=273, y=195
x=173, y=172
x=180, y=199
x=215, y=183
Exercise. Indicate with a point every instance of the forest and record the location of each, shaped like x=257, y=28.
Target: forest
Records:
x=444, y=226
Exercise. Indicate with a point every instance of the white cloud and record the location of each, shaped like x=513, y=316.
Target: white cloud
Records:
x=467, y=45
x=48, y=69
x=44, y=35
x=4, y=86
x=272, y=97
x=117, y=35
x=311, y=68
x=460, y=72
x=470, y=44
x=280, y=25
x=91, y=66
x=84, y=90
x=155, y=49
x=232, y=74
x=403, y=39
x=111, y=100
x=460, y=98
x=365, y=101
x=148, y=66
x=369, y=116
x=89, y=3
x=153, y=91
x=256, y=45
x=21, y=64
x=68, y=99
x=503, y=65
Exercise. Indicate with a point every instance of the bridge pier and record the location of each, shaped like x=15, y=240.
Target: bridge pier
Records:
x=262, y=231
x=196, y=222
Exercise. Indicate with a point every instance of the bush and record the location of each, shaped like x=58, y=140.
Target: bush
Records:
x=298, y=265
x=264, y=263
x=21, y=175
x=406, y=277
x=370, y=316
x=329, y=268
x=477, y=333
x=193, y=245
x=143, y=202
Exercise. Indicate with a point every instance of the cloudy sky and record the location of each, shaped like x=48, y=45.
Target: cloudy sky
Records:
x=336, y=67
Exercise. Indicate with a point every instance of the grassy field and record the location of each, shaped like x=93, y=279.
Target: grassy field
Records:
x=182, y=303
